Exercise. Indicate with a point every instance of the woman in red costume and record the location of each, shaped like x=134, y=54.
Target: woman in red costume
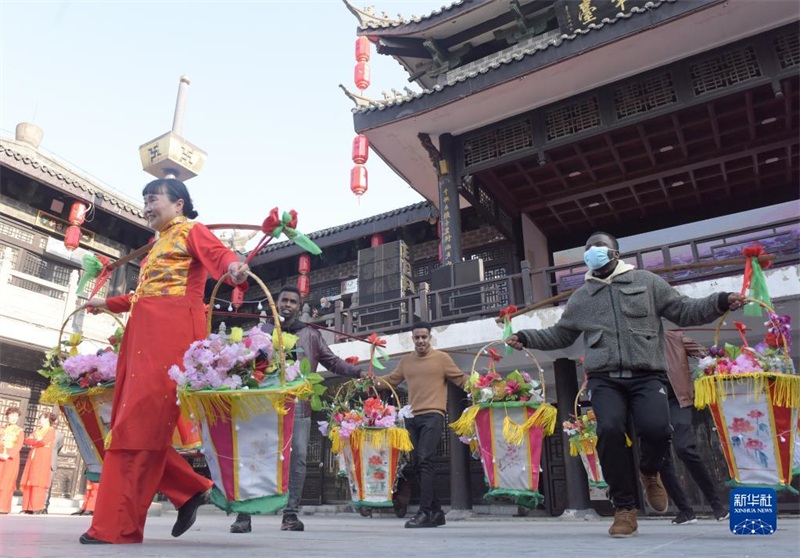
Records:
x=166, y=315
x=35, y=479
x=11, y=439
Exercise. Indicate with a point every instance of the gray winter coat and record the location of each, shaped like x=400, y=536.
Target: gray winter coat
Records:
x=621, y=321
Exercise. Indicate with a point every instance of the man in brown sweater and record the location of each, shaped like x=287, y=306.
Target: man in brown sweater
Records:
x=426, y=372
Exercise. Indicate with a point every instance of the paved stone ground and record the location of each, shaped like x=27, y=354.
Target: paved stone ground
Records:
x=349, y=535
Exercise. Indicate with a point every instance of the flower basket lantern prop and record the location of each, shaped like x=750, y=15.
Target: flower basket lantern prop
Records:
x=242, y=389
x=581, y=429
x=82, y=385
x=505, y=427
x=369, y=435
x=754, y=397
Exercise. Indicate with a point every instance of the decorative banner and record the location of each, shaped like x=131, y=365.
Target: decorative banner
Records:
x=509, y=440
x=756, y=418
x=372, y=468
x=89, y=418
x=587, y=449
x=248, y=455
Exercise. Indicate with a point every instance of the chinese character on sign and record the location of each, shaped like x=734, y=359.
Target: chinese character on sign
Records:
x=620, y=4
x=753, y=511
x=586, y=12
x=154, y=152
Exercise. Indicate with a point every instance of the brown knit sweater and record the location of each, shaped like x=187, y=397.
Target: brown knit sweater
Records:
x=426, y=377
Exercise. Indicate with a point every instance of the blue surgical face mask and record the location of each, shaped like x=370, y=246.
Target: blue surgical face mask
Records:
x=597, y=256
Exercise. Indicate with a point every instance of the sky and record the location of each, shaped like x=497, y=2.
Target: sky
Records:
x=101, y=79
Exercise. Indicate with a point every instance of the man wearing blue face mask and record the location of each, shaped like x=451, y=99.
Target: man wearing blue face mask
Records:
x=619, y=311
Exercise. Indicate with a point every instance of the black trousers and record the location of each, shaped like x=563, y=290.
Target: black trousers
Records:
x=683, y=440
x=644, y=396
x=425, y=431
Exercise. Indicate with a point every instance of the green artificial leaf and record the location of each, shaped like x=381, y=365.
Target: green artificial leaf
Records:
x=314, y=378
x=316, y=403
x=732, y=351
x=305, y=367
x=319, y=389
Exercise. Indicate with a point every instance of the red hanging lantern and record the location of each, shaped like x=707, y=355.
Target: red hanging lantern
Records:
x=304, y=264
x=359, y=180
x=363, y=48
x=376, y=240
x=361, y=75
x=72, y=238
x=237, y=298
x=303, y=285
x=77, y=213
x=440, y=252
x=360, y=149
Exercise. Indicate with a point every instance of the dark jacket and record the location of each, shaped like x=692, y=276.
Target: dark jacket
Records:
x=313, y=347
x=679, y=348
x=620, y=318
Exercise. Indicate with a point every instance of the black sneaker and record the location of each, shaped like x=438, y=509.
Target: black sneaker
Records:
x=422, y=519
x=438, y=518
x=685, y=518
x=291, y=523
x=242, y=524
x=721, y=514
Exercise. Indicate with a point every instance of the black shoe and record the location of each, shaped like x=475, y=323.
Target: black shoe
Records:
x=187, y=514
x=422, y=519
x=365, y=512
x=86, y=539
x=438, y=518
x=685, y=517
x=291, y=523
x=242, y=524
x=721, y=514
x=400, y=509
x=79, y=512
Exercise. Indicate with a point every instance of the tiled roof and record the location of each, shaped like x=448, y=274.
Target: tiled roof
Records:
x=368, y=18
x=504, y=57
x=48, y=168
x=354, y=224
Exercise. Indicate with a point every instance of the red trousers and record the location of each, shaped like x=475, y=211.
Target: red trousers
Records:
x=33, y=498
x=128, y=483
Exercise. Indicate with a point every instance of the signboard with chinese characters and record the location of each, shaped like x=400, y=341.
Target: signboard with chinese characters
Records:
x=171, y=154
x=350, y=286
x=573, y=15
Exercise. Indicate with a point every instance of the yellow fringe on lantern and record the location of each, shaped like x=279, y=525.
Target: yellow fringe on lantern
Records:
x=393, y=437
x=465, y=425
x=56, y=394
x=209, y=405
x=588, y=445
x=513, y=433
x=709, y=390
x=544, y=417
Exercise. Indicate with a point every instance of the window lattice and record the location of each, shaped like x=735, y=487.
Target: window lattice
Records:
x=725, y=70
x=787, y=47
x=485, y=200
x=644, y=95
x=497, y=142
x=16, y=232
x=498, y=295
x=572, y=118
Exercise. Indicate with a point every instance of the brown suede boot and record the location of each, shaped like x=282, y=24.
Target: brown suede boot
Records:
x=654, y=492
x=625, y=524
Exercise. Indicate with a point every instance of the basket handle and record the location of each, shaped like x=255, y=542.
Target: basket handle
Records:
x=273, y=308
x=529, y=353
x=96, y=309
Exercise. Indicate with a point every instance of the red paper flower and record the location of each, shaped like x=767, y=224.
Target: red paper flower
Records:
x=512, y=387
x=494, y=356
x=352, y=360
x=507, y=311
x=373, y=339
x=271, y=222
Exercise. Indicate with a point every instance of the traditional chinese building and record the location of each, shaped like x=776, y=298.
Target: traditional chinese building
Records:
x=671, y=124
x=41, y=198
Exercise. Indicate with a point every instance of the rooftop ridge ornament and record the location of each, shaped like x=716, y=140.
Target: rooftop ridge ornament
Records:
x=367, y=17
x=170, y=155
